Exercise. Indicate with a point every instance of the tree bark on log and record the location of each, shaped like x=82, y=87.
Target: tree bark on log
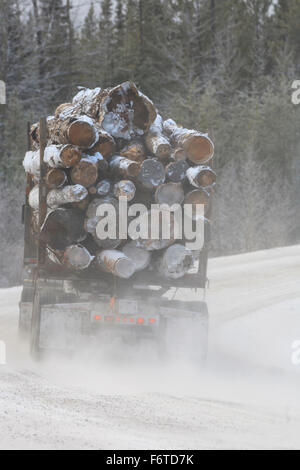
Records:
x=198, y=147
x=66, y=195
x=80, y=131
x=116, y=263
x=201, y=176
x=33, y=198
x=177, y=171
x=62, y=228
x=62, y=156
x=135, y=151
x=141, y=258
x=124, y=167
x=85, y=172
x=152, y=174
x=176, y=262
x=55, y=178
x=125, y=112
x=158, y=145
x=170, y=193
x=125, y=188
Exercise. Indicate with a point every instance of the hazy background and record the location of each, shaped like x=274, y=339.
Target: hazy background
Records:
x=223, y=67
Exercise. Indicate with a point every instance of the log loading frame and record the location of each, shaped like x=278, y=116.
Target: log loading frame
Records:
x=91, y=300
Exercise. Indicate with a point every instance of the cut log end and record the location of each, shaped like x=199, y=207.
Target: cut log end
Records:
x=70, y=156
x=55, y=178
x=85, y=173
x=82, y=134
x=77, y=257
x=152, y=174
x=199, y=149
x=170, y=193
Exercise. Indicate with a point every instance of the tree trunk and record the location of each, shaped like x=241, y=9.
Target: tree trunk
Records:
x=66, y=195
x=125, y=189
x=170, y=193
x=176, y=262
x=62, y=228
x=141, y=258
x=176, y=171
x=198, y=147
x=152, y=174
x=101, y=189
x=158, y=145
x=124, y=167
x=85, y=173
x=201, y=176
x=55, y=178
x=116, y=263
x=100, y=161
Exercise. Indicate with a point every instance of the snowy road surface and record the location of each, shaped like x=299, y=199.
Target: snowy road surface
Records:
x=248, y=397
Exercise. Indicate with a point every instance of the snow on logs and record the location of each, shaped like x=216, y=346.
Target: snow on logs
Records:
x=108, y=144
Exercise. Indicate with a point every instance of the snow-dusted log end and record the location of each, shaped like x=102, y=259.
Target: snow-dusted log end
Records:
x=116, y=262
x=126, y=112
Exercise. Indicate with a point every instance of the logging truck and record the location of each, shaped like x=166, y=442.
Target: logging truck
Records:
x=72, y=289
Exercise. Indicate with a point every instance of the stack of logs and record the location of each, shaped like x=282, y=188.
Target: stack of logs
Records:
x=109, y=143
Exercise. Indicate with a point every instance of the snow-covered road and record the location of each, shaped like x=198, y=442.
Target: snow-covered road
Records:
x=247, y=398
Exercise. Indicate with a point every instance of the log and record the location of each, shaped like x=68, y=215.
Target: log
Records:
x=201, y=176
x=92, y=220
x=100, y=161
x=198, y=146
x=158, y=145
x=62, y=228
x=152, y=174
x=62, y=156
x=178, y=155
x=105, y=145
x=80, y=131
x=125, y=189
x=85, y=172
x=176, y=262
x=141, y=258
x=125, y=112
x=66, y=195
x=82, y=205
x=123, y=167
x=77, y=257
x=148, y=242
x=103, y=188
x=116, y=263
x=170, y=193
x=55, y=178
x=176, y=171
x=87, y=101
x=134, y=151
x=33, y=198
x=198, y=196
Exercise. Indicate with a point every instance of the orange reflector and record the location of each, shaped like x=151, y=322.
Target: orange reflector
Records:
x=132, y=320
x=112, y=303
x=118, y=319
x=141, y=320
x=152, y=320
x=97, y=317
